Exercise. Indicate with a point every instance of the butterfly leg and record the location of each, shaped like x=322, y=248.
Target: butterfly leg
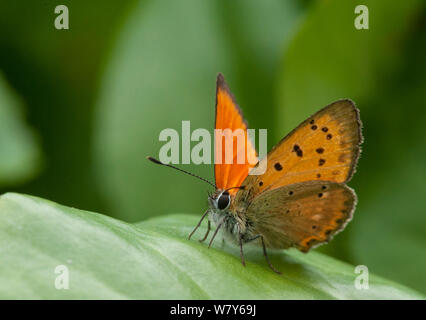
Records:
x=243, y=261
x=264, y=251
x=198, y=225
x=215, y=232
x=207, y=233
x=266, y=256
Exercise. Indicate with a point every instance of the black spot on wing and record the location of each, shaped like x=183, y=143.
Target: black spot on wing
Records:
x=278, y=166
x=298, y=151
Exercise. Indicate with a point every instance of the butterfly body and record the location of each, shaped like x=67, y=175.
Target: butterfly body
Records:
x=234, y=226
x=231, y=228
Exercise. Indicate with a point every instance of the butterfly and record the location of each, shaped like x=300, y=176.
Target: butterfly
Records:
x=301, y=200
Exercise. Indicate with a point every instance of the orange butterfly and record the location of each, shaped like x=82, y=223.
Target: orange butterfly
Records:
x=301, y=200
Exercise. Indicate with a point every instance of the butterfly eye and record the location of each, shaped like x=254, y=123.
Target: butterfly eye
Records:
x=223, y=201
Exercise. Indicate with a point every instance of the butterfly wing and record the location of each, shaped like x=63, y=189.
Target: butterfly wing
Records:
x=325, y=147
x=301, y=215
x=301, y=200
x=229, y=116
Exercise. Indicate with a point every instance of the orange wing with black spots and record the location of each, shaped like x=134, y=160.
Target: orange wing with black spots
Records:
x=232, y=160
x=301, y=200
x=324, y=147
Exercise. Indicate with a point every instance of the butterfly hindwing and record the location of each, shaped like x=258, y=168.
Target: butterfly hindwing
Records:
x=301, y=215
x=229, y=116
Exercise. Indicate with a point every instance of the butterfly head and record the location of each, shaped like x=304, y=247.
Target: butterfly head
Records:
x=221, y=199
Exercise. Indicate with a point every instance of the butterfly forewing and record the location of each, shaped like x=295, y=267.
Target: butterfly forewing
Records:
x=324, y=147
x=229, y=116
x=301, y=215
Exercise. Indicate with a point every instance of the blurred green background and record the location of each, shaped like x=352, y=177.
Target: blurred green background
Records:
x=81, y=108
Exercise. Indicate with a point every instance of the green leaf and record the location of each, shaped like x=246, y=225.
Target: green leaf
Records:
x=110, y=259
x=19, y=153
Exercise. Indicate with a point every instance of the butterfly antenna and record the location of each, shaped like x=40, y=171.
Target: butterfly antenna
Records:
x=181, y=170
